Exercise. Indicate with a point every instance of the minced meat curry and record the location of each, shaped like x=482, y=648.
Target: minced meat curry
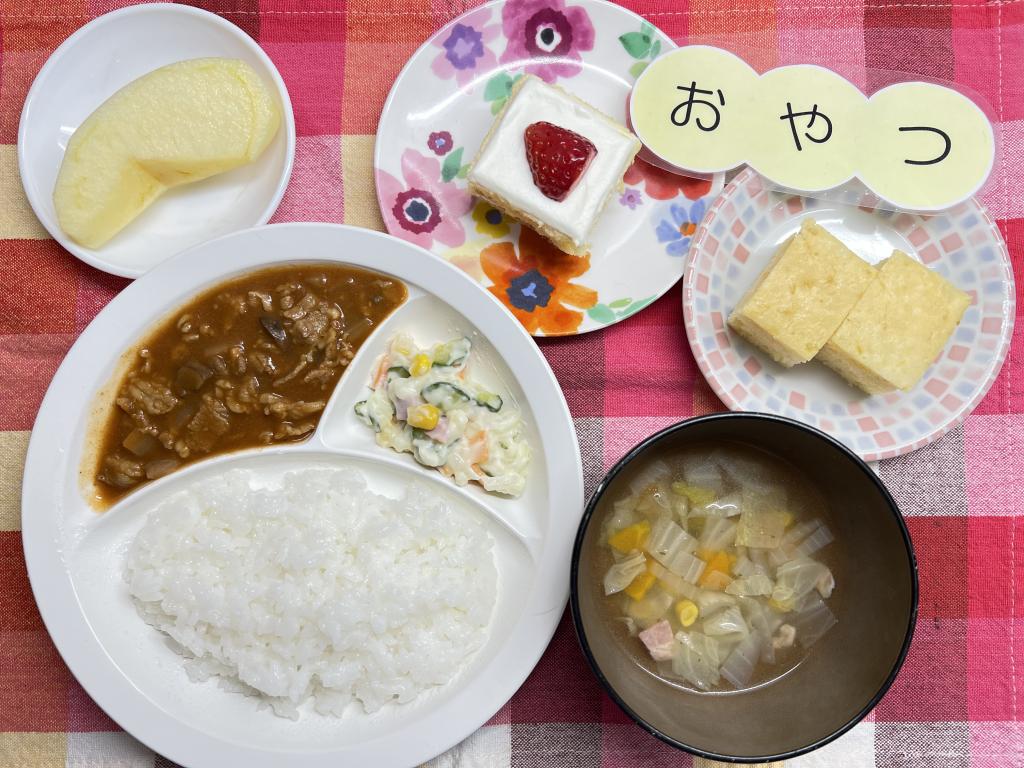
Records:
x=247, y=363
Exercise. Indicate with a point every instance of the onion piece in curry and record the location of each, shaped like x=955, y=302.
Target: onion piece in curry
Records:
x=249, y=362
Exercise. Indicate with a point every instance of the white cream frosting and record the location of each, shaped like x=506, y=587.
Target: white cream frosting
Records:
x=502, y=165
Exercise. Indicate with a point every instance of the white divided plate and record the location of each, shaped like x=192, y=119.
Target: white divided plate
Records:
x=441, y=107
x=733, y=245
x=107, y=54
x=76, y=557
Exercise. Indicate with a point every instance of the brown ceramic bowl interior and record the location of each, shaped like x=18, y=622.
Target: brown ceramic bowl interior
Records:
x=845, y=673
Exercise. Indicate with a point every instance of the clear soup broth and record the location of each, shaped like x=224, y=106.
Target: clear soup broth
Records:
x=718, y=566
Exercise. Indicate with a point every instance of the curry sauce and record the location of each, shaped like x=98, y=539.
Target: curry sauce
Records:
x=249, y=362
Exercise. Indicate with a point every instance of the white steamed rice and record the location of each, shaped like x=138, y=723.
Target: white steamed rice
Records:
x=319, y=588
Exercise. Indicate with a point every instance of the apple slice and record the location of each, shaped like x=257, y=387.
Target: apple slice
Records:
x=176, y=125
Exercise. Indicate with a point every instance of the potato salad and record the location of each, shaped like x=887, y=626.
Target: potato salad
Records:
x=424, y=403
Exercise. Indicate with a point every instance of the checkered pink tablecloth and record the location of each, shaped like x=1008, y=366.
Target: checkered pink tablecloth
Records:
x=959, y=700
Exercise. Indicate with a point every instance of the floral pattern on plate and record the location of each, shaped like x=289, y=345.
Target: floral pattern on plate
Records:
x=676, y=223
x=423, y=205
x=464, y=47
x=644, y=46
x=490, y=220
x=548, y=35
x=738, y=237
x=441, y=108
x=535, y=283
x=659, y=184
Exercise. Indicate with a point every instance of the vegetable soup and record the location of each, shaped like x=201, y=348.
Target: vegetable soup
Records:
x=717, y=566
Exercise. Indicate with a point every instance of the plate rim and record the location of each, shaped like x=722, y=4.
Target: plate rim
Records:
x=717, y=179
x=700, y=356
x=55, y=591
x=91, y=256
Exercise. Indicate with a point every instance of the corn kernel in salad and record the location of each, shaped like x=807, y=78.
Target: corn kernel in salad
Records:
x=423, y=416
x=420, y=365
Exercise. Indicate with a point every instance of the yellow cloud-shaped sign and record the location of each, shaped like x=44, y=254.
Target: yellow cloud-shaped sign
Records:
x=920, y=146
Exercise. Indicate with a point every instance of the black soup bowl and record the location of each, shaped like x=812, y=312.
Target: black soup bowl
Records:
x=845, y=673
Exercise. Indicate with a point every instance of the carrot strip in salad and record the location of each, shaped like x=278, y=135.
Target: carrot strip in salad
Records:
x=380, y=372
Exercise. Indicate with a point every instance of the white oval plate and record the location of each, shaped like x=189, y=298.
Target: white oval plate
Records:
x=741, y=233
x=76, y=557
x=441, y=107
x=99, y=59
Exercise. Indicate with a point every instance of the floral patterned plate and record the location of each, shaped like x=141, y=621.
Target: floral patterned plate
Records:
x=734, y=243
x=440, y=109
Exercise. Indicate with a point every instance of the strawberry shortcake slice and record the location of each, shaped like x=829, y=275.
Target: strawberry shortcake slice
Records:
x=552, y=161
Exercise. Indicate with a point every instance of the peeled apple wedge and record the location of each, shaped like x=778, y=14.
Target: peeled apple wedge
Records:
x=176, y=125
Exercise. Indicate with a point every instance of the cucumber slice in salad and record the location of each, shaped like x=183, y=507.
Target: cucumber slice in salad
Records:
x=444, y=395
x=490, y=401
x=428, y=452
x=363, y=412
x=398, y=371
